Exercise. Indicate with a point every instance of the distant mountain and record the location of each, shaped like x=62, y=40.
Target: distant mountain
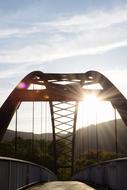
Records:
x=86, y=137
x=10, y=134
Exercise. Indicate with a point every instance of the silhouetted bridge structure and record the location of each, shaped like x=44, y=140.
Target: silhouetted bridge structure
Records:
x=62, y=92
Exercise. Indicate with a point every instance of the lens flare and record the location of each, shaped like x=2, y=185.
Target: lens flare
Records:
x=22, y=85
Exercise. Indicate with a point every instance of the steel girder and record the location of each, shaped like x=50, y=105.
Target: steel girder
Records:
x=62, y=91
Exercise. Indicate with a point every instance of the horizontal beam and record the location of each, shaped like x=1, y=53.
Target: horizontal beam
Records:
x=58, y=95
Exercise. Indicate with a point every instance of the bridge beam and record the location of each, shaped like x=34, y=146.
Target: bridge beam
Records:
x=60, y=87
x=56, y=95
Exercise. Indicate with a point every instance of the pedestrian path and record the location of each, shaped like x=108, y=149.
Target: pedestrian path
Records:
x=62, y=185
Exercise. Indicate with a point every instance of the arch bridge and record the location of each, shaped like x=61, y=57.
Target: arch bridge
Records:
x=62, y=92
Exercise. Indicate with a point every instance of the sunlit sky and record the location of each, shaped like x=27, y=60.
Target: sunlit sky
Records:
x=62, y=36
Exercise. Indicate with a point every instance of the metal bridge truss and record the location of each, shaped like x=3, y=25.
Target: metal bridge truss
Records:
x=64, y=116
x=63, y=92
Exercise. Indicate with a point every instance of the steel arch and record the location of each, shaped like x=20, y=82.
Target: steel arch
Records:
x=111, y=93
x=73, y=91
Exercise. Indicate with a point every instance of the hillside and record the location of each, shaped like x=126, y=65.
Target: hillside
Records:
x=86, y=137
x=9, y=135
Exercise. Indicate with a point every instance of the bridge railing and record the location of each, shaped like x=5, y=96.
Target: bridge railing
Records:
x=111, y=174
x=18, y=174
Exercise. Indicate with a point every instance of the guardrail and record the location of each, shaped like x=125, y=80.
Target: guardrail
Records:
x=17, y=174
x=111, y=174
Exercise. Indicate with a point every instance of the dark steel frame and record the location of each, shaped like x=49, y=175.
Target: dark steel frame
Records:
x=62, y=88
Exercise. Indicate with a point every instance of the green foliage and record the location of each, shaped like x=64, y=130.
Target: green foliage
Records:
x=6, y=149
x=92, y=157
x=107, y=156
x=39, y=151
x=64, y=174
x=64, y=160
x=85, y=160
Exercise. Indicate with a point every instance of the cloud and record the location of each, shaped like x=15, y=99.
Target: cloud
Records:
x=94, y=20
x=16, y=71
x=17, y=32
x=77, y=23
x=87, y=34
x=42, y=53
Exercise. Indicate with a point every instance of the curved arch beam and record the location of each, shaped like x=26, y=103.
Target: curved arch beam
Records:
x=9, y=107
x=110, y=93
x=116, y=98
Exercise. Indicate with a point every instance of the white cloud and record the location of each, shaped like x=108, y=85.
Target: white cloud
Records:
x=17, y=32
x=42, y=53
x=9, y=73
x=77, y=23
x=95, y=20
x=93, y=33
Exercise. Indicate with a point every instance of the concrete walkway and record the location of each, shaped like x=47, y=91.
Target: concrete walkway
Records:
x=62, y=185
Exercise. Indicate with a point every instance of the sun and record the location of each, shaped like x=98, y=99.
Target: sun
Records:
x=91, y=100
x=93, y=110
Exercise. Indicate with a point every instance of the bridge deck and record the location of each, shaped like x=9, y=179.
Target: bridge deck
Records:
x=62, y=185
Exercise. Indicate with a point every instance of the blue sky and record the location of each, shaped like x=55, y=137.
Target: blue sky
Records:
x=62, y=36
